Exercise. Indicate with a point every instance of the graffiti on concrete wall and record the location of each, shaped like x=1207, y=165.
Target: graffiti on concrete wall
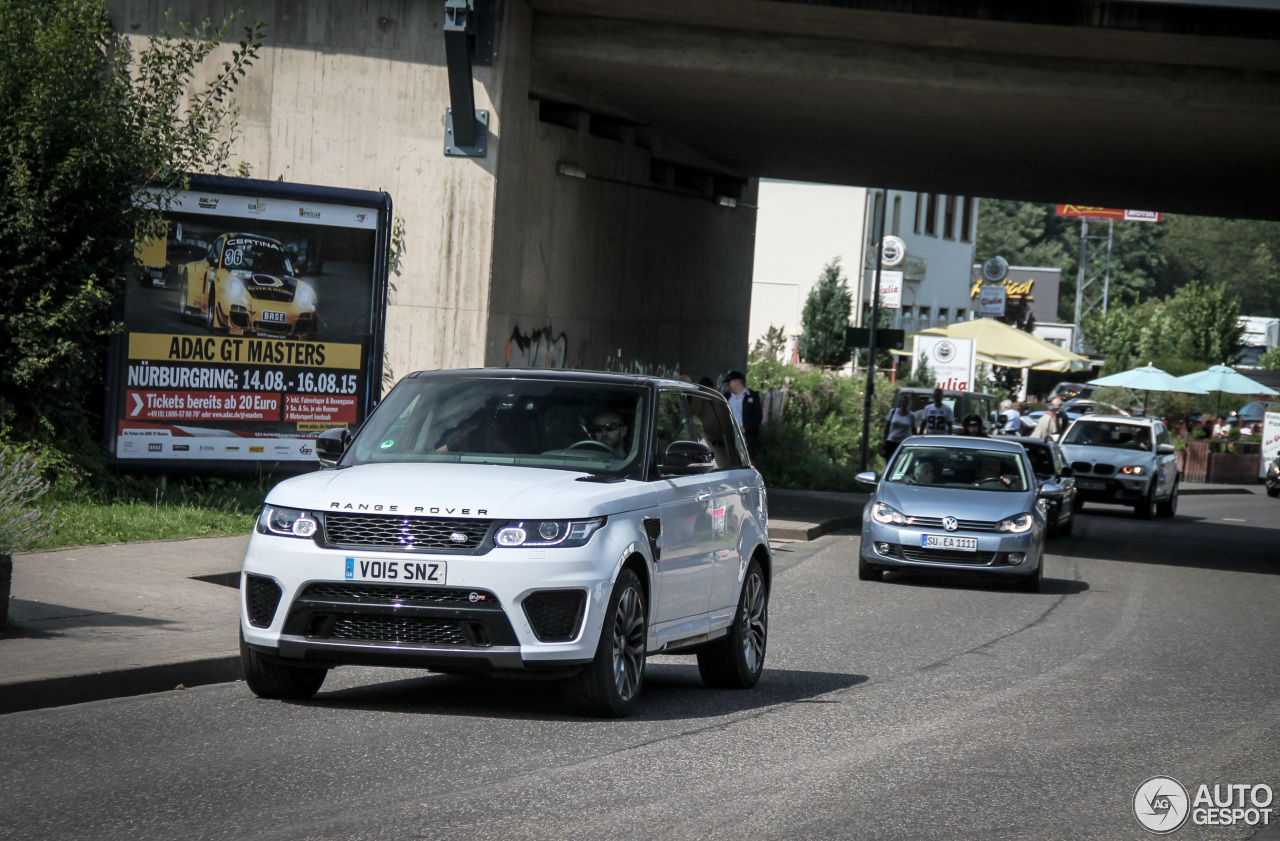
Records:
x=641, y=368
x=539, y=349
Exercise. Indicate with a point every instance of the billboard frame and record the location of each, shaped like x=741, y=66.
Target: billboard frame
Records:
x=117, y=349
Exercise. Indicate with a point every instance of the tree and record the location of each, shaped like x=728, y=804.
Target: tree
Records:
x=1208, y=319
x=824, y=319
x=83, y=125
x=1030, y=234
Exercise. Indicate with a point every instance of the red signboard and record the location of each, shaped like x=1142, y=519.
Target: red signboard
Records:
x=1080, y=210
x=202, y=406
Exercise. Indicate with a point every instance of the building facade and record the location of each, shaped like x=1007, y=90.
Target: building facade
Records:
x=801, y=227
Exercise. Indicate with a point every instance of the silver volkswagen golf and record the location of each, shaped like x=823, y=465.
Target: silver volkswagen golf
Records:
x=948, y=502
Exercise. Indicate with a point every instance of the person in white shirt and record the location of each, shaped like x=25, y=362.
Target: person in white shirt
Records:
x=937, y=419
x=1012, y=418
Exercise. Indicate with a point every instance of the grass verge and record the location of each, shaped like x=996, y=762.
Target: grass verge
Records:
x=141, y=509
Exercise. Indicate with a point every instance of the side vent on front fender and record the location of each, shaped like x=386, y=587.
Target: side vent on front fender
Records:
x=653, y=528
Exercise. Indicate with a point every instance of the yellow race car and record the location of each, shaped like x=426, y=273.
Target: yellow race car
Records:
x=245, y=285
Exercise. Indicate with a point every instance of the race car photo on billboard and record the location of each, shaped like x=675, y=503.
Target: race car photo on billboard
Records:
x=245, y=284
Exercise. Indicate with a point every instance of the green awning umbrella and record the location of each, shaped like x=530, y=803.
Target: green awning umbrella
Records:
x=1222, y=378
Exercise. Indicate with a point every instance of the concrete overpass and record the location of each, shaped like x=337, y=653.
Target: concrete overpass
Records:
x=1116, y=104
x=668, y=105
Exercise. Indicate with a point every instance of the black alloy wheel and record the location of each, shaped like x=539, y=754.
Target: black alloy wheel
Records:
x=609, y=686
x=1169, y=507
x=268, y=678
x=1146, y=509
x=736, y=660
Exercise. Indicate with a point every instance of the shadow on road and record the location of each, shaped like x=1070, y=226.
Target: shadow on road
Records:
x=978, y=581
x=672, y=691
x=42, y=620
x=1183, y=541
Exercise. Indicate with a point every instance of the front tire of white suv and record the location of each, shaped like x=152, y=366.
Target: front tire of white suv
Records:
x=268, y=679
x=736, y=660
x=609, y=686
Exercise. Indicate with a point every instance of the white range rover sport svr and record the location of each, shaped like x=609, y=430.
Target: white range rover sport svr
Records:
x=500, y=520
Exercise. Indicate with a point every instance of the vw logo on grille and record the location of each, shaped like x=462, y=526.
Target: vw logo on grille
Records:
x=950, y=523
x=458, y=537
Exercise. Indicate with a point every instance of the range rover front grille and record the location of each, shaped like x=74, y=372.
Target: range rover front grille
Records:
x=405, y=629
x=362, y=593
x=405, y=534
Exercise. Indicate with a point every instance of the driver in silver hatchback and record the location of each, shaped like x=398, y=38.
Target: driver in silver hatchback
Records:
x=950, y=503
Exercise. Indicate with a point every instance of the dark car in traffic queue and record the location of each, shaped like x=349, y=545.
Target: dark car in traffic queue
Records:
x=1273, y=478
x=1057, y=483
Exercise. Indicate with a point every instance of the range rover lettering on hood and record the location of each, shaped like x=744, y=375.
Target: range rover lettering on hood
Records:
x=416, y=509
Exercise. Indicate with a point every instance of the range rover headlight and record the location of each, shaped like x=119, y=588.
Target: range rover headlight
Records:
x=568, y=533
x=287, y=522
x=1133, y=470
x=1017, y=524
x=883, y=513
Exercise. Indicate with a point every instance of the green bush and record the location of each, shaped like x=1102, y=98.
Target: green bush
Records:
x=817, y=443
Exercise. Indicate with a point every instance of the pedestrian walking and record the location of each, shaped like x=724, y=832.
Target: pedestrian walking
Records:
x=1052, y=423
x=899, y=426
x=747, y=409
x=936, y=418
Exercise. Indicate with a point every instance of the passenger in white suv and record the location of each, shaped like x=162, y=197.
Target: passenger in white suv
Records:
x=503, y=520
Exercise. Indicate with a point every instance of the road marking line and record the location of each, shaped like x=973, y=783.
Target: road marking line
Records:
x=1234, y=520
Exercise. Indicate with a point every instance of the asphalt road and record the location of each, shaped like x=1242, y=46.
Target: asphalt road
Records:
x=904, y=709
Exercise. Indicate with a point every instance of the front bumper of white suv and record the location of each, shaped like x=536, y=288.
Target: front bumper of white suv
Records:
x=498, y=609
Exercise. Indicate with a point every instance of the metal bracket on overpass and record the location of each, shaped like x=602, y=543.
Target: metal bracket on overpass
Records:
x=469, y=28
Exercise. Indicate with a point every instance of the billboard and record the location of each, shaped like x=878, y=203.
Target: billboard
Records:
x=951, y=361
x=1080, y=210
x=1270, y=441
x=255, y=323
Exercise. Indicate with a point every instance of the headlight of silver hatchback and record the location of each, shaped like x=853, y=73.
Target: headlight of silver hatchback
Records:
x=1017, y=524
x=287, y=522
x=884, y=513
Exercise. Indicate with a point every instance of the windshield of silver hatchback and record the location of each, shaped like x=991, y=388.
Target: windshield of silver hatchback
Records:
x=959, y=468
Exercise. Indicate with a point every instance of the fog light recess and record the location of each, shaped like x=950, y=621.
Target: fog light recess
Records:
x=1016, y=558
x=883, y=548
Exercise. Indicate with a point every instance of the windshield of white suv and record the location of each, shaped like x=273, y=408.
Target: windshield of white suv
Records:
x=1122, y=436
x=567, y=425
x=959, y=467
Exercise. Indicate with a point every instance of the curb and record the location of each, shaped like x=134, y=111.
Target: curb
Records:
x=812, y=531
x=123, y=683
x=1218, y=491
